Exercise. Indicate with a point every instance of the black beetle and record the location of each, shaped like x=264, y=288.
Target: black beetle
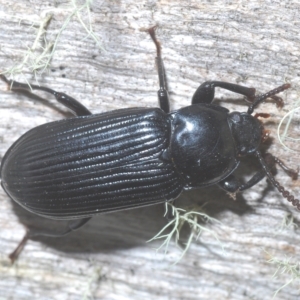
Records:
x=75, y=168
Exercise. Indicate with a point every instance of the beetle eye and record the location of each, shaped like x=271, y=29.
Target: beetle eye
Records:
x=235, y=117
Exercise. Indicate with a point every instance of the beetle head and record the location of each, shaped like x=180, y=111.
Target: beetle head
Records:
x=247, y=132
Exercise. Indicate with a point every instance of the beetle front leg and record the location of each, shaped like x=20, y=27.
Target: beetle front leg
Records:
x=232, y=185
x=68, y=101
x=271, y=161
x=206, y=91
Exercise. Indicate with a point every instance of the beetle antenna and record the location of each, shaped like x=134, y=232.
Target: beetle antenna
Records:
x=270, y=94
x=286, y=194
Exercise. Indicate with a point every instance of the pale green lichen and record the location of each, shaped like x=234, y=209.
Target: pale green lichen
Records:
x=75, y=11
x=286, y=122
x=37, y=58
x=196, y=219
x=285, y=266
x=93, y=282
x=287, y=223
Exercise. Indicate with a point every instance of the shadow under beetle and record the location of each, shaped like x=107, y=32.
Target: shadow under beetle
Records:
x=75, y=168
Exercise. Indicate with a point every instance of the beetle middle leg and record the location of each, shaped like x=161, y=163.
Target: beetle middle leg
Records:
x=30, y=233
x=163, y=95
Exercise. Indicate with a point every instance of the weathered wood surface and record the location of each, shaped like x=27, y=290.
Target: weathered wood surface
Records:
x=254, y=43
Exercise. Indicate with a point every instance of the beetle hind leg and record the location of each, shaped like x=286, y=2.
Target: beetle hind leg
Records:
x=30, y=233
x=64, y=99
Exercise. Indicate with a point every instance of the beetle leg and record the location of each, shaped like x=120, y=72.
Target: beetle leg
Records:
x=63, y=98
x=71, y=226
x=257, y=177
x=271, y=94
x=14, y=255
x=79, y=110
x=231, y=184
x=163, y=95
x=206, y=91
x=31, y=233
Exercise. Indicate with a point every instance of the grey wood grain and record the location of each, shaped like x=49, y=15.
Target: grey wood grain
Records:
x=253, y=43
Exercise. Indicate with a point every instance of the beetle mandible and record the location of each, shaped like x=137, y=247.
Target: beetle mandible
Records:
x=94, y=163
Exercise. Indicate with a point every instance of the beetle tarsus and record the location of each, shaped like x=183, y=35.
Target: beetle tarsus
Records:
x=151, y=31
x=278, y=100
x=15, y=254
x=270, y=94
x=162, y=93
